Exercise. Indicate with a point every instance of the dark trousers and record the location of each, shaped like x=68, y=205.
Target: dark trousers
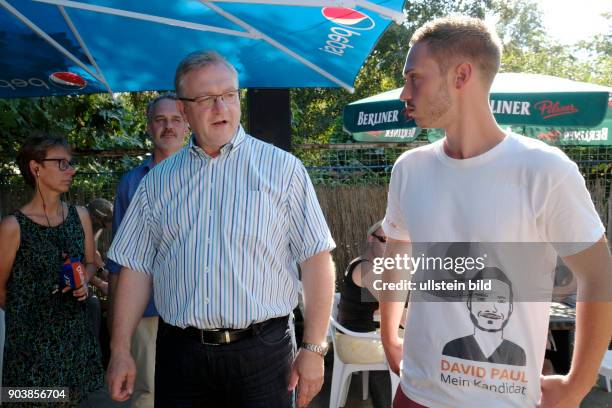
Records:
x=402, y=401
x=251, y=372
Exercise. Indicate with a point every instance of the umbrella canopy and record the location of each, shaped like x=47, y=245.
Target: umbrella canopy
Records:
x=61, y=47
x=516, y=99
x=598, y=135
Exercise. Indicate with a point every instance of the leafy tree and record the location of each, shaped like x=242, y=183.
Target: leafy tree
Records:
x=528, y=49
x=92, y=122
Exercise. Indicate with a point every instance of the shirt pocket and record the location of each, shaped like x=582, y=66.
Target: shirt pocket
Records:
x=254, y=214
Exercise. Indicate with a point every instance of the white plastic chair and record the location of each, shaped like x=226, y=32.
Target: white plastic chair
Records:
x=606, y=369
x=342, y=371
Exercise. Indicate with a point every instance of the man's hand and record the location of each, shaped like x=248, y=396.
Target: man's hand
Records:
x=120, y=375
x=558, y=392
x=394, y=353
x=307, y=374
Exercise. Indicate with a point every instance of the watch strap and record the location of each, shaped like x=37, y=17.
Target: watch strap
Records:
x=320, y=349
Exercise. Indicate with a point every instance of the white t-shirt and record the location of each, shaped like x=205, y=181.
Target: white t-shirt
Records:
x=520, y=191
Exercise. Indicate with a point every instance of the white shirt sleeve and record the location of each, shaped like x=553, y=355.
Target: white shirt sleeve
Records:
x=570, y=221
x=308, y=230
x=394, y=224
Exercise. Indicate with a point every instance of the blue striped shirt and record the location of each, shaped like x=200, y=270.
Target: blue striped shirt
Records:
x=222, y=236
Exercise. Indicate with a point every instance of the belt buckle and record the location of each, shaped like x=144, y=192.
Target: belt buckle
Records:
x=226, y=338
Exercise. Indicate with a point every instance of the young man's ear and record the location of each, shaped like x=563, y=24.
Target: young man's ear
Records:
x=463, y=74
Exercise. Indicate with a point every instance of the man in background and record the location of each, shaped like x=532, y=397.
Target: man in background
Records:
x=167, y=130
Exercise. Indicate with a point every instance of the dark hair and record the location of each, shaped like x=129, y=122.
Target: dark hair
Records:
x=36, y=148
x=100, y=209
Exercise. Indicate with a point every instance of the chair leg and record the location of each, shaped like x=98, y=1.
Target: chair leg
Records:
x=336, y=386
x=608, y=383
x=346, y=385
x=365, y=375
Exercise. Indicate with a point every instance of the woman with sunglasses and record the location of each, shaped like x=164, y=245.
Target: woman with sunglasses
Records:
x=48, y=339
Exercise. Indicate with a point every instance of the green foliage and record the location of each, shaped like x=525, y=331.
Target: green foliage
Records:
x=95, y=122
x=527, y=49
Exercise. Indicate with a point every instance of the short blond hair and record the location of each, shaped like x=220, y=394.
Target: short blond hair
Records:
x=452, y=38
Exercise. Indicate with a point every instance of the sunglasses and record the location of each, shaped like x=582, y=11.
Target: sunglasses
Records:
x=63, y=164
x=379, y=238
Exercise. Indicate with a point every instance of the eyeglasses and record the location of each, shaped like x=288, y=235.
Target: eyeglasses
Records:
x=208, y=101
x=63, y=164
x=379, y=238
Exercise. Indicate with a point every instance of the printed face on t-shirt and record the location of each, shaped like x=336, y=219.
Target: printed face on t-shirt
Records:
x=490, y=309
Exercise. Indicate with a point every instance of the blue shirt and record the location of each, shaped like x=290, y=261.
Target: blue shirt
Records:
x=222, y=236
x=125, y=191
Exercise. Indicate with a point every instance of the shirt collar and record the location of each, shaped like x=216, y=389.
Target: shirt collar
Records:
x=234, y=143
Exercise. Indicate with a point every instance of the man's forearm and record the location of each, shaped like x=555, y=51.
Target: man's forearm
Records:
x=130, y=300
x=390, y=319
x=593, y=331
x=392, y=301
x=593, y=270
x=318, y=283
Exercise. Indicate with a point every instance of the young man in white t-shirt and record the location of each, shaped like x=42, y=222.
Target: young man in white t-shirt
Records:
x=482, y=185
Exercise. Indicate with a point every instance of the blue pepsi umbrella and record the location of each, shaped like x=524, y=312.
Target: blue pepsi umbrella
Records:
x=62, y=47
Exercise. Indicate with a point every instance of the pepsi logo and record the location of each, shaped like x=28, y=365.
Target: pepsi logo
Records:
x=347, y=17
x=67, y=80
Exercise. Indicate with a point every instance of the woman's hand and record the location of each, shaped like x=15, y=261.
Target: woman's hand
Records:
x=81, y=292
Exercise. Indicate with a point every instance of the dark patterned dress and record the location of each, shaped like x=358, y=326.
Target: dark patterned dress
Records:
x=48, y=339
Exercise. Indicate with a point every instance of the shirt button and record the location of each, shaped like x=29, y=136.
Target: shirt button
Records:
x=206, y=300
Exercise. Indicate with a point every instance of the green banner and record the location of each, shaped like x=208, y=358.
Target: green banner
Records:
x=516, y=99
x=550, y=109
x=580, y=136
x=388, y=136
x=561, y=136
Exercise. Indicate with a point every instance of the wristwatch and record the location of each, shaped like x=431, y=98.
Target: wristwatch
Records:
x=320, y=349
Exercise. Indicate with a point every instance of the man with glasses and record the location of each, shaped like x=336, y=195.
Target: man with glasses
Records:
x=167, y=130
x=219, y=229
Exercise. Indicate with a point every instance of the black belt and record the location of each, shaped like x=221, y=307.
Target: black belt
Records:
x=218, y=337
